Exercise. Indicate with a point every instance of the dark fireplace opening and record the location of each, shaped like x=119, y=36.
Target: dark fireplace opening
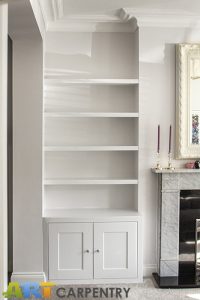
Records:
x=189, y=225
x=189, y=244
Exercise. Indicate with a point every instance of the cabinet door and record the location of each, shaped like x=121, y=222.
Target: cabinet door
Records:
x=115, y=250
x=70, y=251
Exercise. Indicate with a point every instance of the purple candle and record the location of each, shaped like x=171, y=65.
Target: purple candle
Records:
x=158, y=148
x=170, y=138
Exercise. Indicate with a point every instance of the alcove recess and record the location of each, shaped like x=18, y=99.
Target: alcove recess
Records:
x=91, y=120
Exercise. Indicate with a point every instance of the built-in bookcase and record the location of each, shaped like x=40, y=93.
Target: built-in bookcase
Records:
x=91, y=125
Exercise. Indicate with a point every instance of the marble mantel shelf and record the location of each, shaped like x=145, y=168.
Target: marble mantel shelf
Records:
x=183, y=170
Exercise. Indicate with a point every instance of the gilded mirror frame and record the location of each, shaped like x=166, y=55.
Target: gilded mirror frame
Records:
x=185, y=53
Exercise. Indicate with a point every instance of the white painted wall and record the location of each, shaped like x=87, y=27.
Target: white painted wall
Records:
x=3, y=146
x=27, y=152
x=157, y=106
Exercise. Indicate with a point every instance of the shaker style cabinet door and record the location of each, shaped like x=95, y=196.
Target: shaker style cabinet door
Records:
x=115, y=250
x=70, y=251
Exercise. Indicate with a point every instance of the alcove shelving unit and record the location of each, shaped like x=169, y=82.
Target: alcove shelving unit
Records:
x=91, y=146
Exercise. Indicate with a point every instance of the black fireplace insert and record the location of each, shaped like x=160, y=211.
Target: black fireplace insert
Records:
x=189, y=244
x=188, y=233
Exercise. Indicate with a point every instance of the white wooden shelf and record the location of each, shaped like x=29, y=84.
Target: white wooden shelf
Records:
x=89, y=181
x=89, y=148
x=99, y=81
x=55, y=215
x=89, y=115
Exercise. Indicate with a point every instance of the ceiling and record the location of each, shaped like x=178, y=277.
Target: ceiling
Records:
x=74, y=7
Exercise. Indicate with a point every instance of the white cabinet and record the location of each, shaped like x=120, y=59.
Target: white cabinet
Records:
x=93, y=250
x=115, y=250
x=71, y=251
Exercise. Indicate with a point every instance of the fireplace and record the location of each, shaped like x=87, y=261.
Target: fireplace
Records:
x=189, y=234
x=178, y=229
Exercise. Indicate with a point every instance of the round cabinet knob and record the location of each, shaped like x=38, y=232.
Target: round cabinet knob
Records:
x=87, y=251
x=97, y=250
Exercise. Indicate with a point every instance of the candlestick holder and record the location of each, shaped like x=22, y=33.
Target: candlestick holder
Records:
x=158, y=167
x=170, y=162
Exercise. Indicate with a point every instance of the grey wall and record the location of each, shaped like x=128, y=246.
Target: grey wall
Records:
x=27, y=154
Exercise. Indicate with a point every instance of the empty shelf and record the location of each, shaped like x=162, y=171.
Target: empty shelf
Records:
x=55, y=215
x=88, y=181
x=62, y=81
x=89, y=148
x=89, y=115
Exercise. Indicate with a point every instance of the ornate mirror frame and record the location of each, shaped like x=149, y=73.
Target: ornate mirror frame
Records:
x=184, y=54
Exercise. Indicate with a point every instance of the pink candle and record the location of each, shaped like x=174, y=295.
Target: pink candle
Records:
x=158, y=147
x=170, y=138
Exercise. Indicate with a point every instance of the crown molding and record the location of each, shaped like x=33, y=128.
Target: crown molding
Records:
x=57, y=7
x=90, y=22
x=161, y=18
x=55, y=20
x=89, y=25
x=93, y=18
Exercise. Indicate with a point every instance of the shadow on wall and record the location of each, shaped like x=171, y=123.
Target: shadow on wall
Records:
x=102, y=56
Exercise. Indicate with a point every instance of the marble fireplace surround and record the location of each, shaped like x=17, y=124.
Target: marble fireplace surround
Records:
x=170, y=185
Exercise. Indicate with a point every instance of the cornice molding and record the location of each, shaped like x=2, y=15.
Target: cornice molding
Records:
x=162, y=18
x=89, y=25
x=57, y=9
x=122, y=20
x=93, y=18
x=55, y=20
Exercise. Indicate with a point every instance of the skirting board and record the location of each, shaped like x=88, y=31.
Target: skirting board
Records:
x=40, y=276
x=28, y=276
x=149, y=269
